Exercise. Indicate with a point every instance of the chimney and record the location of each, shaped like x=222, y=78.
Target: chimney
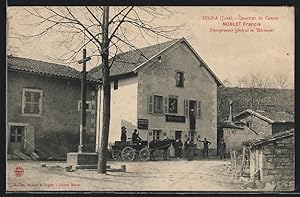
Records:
x=230, y=117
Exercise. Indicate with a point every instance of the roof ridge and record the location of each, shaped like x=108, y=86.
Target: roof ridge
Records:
x=120, y=55
x=142, y=48
x=43, y=61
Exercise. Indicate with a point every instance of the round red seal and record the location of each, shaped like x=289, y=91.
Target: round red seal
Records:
x=19, y=171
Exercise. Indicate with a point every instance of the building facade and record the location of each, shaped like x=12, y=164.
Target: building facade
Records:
x=171, y=94
x=43, y=108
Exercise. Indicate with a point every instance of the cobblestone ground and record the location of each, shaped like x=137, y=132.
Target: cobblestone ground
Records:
x=176, y=175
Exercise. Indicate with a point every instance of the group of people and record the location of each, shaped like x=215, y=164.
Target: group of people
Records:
x=188, y=147
x=135, y=135
x=178, y=145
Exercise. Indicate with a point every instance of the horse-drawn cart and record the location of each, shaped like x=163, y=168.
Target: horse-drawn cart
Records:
x=128, y=150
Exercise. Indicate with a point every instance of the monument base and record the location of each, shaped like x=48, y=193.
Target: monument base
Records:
x=82, y=160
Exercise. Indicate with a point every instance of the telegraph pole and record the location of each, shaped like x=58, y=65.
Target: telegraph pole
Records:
x=83, y=102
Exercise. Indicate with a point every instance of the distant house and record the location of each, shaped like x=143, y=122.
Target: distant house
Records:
x=43, y=107
x=273, y=160
x=250, y=124
x=265, y=123
x=164, y=91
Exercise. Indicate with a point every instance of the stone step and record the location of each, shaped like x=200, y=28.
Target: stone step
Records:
x=22, y=155
x=89, y=166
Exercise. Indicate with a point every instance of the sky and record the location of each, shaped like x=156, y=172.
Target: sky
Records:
x=231, y=55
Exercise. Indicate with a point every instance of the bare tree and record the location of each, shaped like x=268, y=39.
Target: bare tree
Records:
x=256, y=86
x=95, y=28
x=281, y=80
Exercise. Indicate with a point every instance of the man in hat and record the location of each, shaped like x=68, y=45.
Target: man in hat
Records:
x=123, y=134
x=135, y=136
x=178, y=148
x=206, y=144
x=222, y=149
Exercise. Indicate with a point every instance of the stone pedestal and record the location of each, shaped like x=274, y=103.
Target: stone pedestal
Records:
x=82, y=160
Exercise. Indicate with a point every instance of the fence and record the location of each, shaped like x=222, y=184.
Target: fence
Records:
x=240, y=162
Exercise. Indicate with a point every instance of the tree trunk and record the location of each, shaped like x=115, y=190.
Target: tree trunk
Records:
x=102, y=159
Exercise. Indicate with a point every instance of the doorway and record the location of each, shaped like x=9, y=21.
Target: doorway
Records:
x=192, y=114
x=178, y=135
x=16, y=138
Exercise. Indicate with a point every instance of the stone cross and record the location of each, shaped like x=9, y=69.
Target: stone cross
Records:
x=83, y=102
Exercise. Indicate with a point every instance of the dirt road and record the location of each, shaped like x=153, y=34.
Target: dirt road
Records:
x=205, y=175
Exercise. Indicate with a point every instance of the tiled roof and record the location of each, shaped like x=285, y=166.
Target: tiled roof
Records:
x=271, y=117
x=278, y=116
x=229, y=125
x=128, y=61
x=272, y=138
x=43, y=68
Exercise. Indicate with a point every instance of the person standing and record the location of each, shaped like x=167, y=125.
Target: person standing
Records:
x=123, y=134
x=178, y=148
x=205, y=147
x=222, y=149
x=188, y=149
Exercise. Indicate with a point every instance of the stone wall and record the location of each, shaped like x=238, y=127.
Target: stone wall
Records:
x=56, y=131
x=235, y=137
x=278, y=163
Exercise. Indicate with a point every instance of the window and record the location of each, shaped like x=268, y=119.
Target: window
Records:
x=156, y=134
x=158, y=104
x=32, y=101
x=179, y=79
x=173, y=104
x=16, y=133
x=116, y=84
x=88, y=105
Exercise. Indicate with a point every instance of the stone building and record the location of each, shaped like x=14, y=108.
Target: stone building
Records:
x=272, y=160
x=165, y=91
x=43, y=108
x=265, y=123
x=250, y=124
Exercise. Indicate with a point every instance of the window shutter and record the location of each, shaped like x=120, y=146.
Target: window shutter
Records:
x=186, y=107
x=166, y=104
x=198, y=109
x=150, y=104
x=41, y=102
x=23, y=101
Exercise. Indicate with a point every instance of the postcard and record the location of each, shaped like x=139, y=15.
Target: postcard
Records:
x=177, y=99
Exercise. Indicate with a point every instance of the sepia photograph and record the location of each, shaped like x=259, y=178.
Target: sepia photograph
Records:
x=176, y=99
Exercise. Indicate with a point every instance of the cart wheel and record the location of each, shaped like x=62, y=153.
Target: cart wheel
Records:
x=128, y=154
x=144, y=154
x=116, y=155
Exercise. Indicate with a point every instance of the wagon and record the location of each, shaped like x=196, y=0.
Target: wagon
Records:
x=127, y=151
